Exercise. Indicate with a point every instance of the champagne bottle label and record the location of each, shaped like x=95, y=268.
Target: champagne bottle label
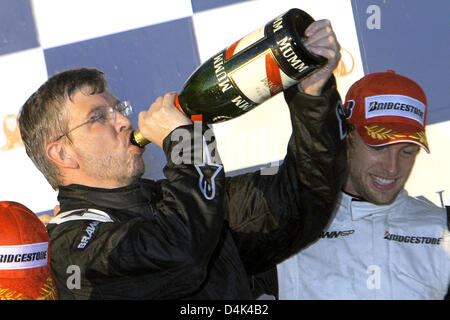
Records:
x=245, y=42
x=250, y=71
x=253, y=69
x=259, y=78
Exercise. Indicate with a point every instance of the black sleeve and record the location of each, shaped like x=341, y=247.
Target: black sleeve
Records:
x=274, y=216
x=265, y=283
x=163, y=255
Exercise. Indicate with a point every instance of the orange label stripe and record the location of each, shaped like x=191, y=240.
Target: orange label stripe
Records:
x=194, y=117
x=230, y=51
x=177, y=104
x=273, y=75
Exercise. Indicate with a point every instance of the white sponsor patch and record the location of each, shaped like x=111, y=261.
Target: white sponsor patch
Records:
x=395, y=105
x=25, y=256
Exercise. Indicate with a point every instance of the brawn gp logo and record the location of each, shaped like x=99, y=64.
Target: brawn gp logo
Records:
x=336, y=234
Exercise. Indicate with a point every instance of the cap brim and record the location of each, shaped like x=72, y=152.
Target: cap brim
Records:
x=386, y=134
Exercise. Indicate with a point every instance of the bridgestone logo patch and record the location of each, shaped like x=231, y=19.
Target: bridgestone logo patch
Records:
x=25, y=256
x=395, y=105
x=411, y=239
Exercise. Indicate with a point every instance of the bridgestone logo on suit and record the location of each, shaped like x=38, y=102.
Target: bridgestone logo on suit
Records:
x=412, y=239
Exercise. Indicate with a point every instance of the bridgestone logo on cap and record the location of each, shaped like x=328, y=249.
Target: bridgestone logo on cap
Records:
x=25, y=256
x=395, y=105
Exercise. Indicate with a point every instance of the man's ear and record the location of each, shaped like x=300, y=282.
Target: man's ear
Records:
x=58, y=153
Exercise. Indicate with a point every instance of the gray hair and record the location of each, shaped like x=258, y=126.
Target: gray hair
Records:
x=42, y=118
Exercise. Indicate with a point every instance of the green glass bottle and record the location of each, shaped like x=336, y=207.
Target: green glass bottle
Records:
x=250, y=71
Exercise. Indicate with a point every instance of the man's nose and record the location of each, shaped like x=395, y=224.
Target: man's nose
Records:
x=391, y=162
x=121, y=121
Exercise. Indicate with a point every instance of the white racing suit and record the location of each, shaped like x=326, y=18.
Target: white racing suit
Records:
x=397, y=251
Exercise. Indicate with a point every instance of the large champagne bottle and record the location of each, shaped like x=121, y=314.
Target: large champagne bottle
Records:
x=250, y=71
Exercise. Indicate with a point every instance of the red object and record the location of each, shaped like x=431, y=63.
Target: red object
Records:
x=273, y=75
x=387, y=108
x=230, y=51
x=194, y=117
x=177, y=104
x=24, y=255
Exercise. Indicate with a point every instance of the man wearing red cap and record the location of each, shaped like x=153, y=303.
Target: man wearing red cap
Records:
x=24, y=255
x=381, y=243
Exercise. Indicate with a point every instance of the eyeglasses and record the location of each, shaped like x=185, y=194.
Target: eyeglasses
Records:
x=104, y=115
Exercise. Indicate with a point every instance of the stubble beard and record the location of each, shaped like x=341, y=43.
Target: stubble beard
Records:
x=118, y=171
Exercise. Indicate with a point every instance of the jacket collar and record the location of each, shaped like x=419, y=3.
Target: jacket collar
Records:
x=77, y=196
x=359, y=208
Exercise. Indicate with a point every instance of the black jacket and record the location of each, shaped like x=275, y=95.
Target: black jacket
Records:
x=165, y=240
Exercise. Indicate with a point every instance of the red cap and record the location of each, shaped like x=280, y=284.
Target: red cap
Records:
x=24, y=255
x=387, y=108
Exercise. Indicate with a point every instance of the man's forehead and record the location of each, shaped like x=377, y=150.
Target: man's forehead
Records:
x=79, y=107
x=86, y=94
x=395, y=145
x=83, y=101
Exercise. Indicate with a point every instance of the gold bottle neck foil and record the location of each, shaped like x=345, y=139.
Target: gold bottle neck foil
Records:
x=138, y=139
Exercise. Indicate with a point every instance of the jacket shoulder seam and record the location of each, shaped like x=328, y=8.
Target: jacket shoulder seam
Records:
x=81, y=214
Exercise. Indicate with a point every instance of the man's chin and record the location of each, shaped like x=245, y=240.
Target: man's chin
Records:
x=382, y=198
x=130, y=179
x=135, y=170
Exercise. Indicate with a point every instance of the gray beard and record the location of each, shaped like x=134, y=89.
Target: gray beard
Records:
x=112, y=169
